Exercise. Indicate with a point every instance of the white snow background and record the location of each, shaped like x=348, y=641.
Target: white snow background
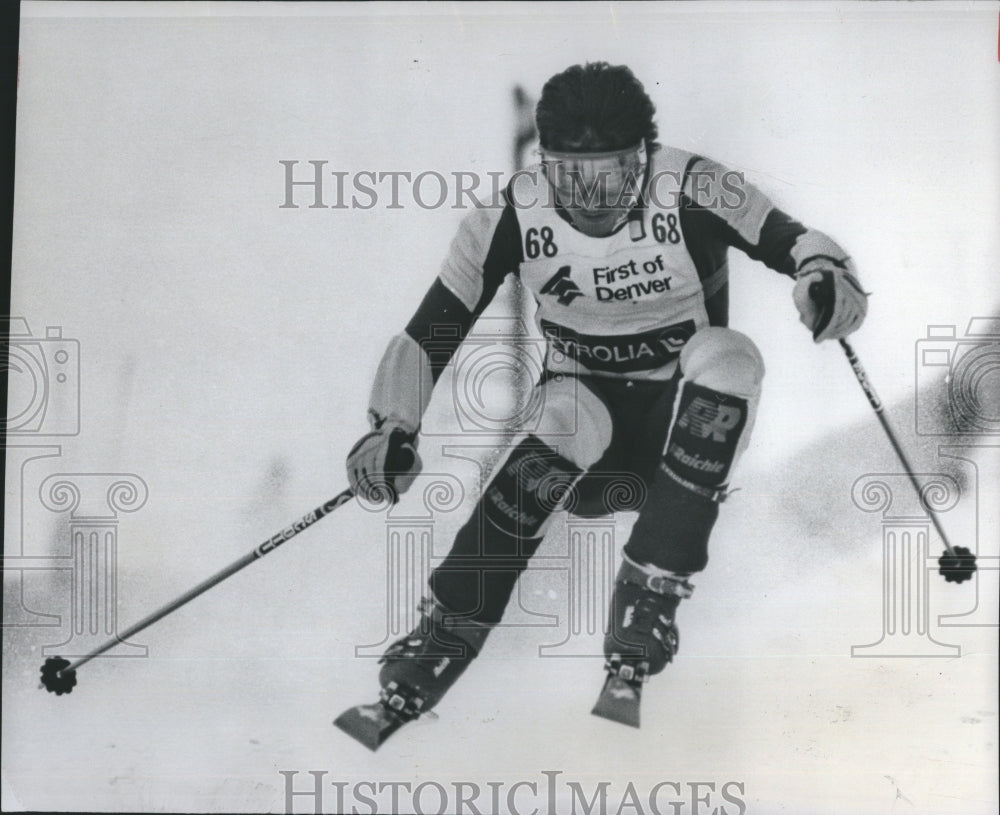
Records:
x=227, y=346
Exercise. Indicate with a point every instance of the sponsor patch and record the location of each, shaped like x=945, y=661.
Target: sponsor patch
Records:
x=639, y=279
x=530, y=469
x=704, y=438
x=508, y=510
x=620, y=353
x=705, y=417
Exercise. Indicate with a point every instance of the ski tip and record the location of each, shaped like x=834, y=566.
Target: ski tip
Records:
x=619, y=702
x=369, y=725
x=621, y=716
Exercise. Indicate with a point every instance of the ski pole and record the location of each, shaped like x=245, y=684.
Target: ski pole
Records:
x=958, y=563
x=59, y=676
x=879, y=409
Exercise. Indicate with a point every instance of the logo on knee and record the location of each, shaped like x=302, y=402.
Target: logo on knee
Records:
x=706, y=418
x=704, y=439
x=533, y=483
x=530, y=469
x=509, y=509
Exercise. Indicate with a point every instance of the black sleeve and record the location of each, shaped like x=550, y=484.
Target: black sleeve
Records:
x=440, y=324
x=774, y=248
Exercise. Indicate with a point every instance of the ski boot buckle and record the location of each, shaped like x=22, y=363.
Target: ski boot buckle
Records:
x=404, y=702
x=634, y=673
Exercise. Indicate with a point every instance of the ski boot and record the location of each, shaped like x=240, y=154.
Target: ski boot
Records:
x=417, y=671
x=642, y=636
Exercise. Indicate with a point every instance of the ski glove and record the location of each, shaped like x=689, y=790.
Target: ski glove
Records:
x=383, y=464
x=830, y=300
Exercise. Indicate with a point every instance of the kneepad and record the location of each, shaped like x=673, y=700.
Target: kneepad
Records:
x=573, y=420
x=715, y=406
x=725, y=361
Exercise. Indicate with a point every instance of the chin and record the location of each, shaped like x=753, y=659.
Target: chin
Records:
x=596, y=227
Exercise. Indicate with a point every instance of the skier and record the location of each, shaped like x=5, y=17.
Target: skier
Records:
x=623, y=244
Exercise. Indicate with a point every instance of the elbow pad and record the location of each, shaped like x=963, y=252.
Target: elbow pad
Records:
x=403, y=386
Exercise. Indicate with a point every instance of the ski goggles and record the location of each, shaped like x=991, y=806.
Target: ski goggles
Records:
x=596, y=181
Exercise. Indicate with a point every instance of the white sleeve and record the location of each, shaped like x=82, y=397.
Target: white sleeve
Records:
x=724, y=191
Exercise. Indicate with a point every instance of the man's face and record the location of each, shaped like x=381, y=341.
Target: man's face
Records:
x=597, y=190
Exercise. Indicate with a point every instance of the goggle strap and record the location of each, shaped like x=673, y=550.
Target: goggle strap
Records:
x=567, y=155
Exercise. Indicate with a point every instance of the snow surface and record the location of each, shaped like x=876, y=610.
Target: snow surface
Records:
x=227, y=346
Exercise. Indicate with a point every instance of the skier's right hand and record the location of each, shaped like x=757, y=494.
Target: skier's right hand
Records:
x=384, y=463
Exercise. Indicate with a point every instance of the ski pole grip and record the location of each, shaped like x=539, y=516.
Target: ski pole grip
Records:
x=402, y=459
x=821, y=293
x=402, y=454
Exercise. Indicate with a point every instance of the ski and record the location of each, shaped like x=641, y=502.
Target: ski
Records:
x=371, y=725
x=619, y=701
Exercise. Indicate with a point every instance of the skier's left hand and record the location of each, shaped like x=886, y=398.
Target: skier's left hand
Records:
x=830, y=300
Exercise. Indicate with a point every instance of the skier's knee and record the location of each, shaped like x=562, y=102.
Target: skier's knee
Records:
x=725, y=361
x=715, y=411
x=573, y=421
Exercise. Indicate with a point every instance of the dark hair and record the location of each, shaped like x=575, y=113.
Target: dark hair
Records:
x=595, y=107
